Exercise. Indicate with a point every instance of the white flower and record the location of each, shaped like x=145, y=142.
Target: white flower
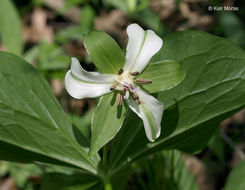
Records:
x=142, y=45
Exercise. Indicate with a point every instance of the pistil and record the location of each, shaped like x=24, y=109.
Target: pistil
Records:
x=124, y=81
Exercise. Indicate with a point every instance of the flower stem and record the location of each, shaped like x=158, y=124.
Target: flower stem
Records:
x=105, y=154
x=107, y=183
x=106, y=180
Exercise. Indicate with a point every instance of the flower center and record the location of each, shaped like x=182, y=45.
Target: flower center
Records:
x=124, y=83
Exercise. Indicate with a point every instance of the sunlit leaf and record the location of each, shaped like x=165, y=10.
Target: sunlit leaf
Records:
x=107, y=121
x=10, y=27
x=104, y=51
x=31, y=119
x=214, y=88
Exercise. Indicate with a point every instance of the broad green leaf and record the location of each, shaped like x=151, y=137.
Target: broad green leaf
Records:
x=59, y=181
x=106, y=122
x=236, y=178
x=10, y=27
x=214, y=88
x=8, y=152
x=104, y=51
x=31, y=118
x=164, y=75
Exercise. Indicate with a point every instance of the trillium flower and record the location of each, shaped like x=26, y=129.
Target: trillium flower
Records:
x=127, y=82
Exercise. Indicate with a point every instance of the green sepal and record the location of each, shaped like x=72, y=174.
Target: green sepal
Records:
x=106, y=121
x=164, y=75
x=104, y=51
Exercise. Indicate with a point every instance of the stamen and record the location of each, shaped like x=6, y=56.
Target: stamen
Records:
x=138, y=101
x=134, y=73
x=126, y=96
x=120, y=71
x=143, y=81
x=113, y=86
x=135, y=96
x=119, y=99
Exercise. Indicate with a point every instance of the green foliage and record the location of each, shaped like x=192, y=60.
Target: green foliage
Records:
x=59, y=181
x=104, y=51
x=107, y=121
x=83, y=123
x=165, y=170
x=10, y=27
x=20, y=172
x=168, y=71
x=233, y=27
x=236, y=178
x=213, y=89
x=32, y=120
x=51, y=57
x=78, y=31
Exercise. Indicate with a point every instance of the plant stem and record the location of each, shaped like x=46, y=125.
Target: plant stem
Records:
x=105, y=153
x=107, y=183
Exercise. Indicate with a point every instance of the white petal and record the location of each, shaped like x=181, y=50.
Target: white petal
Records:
x=150, y=111
x=82, y=84
x=142, y=45
x=81, y=74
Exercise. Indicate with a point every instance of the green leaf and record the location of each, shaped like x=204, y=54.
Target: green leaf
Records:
x=236, y=178
x=106, y=122
x=232, y=26
x=21, y=172
x=165, y=170
x=51, y=57
x=78, y=31
x=122, y=5
x=8, y=152
x=104, y=51
x=10, y=27
x=164, y=75
x=179, y=175
x=59, y=181
x=31, y=118
x=213, y=89
x=83, y=123
x=217, y=146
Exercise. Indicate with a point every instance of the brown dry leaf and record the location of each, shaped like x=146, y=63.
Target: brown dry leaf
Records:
x=2, y=48
x=8, y=184
x=38, y=28
x=57, y=86
x=72, y=13
x=195, y=19
x=75, y=48
x=164, y=8
x=113, y=23
x=204, y=174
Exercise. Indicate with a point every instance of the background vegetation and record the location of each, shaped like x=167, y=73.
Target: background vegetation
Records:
x=46, y=33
